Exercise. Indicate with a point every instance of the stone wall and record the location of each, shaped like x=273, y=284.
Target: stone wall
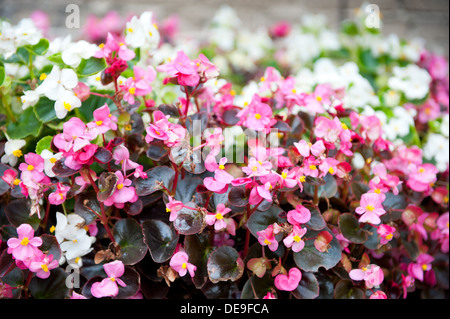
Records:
x=428, y=19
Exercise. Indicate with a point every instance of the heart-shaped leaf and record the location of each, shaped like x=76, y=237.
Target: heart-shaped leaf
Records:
x=160, y=238
x=128, y=234
x=310, y=259
x=258, y=286
x=54, y=287
x=102, y=155
x=260, y=220
x=189, y=221
x=61, y=170
x=237, y=197
x=26, y=125
x=18, y=212
x=50, y=246
x=225, y=264
x=316, y=222
x=82, y=202
x=198, y=248
x=107, y=183
x=349, y=226
x=308, y=287
x=156, y=176
x=328, y=189
x=345, y=290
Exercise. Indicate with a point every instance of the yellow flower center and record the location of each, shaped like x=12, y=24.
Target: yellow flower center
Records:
x=222, y=166
x=422, y=170
x=319, y=98
x=168, y=210
x=30, y=167
x=254, y=168
x=219, y=216
x=297, y=238
x=302, y=179
x=257, y=116
x=370, y=208
x=331, y=170
x=184, y=266
x=101, y=45
x=267, y=242
x=312, y=167
x=77, y=260
x=132, y=90
x=16, y=181
x=377, y=191
x=52, y=160
x=284, y=175
x=120, y=186
x=294, y=91
x=52, y=229
x=67, y=106
x=99, y=123
x=24, y=241
x=128, y=127
x=130, y=30
x=389, y=237
x=74, y=240
x=44, y=267
x=112, y=279
x=43, y=77
x=424, y=267
x=344, y=126
x=17, y=153
x=263, y=79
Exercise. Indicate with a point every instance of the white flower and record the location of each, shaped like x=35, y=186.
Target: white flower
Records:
x=413, y=81
x=27, y=33
x=437, y=148
x=12, y=151
x=57, y=83
x=49, y=161
x=30, y=98
x=66, y=103
x=142, y=31
x=445, y=126
x=73, y=54
x=72, y=236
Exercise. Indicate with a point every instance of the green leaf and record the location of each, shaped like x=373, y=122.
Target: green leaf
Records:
x=2, y=73
x=85, y=112
x=156, y=175
x=54, y=287
x=316, y=222
x=22, y=56
x=308, y=287
x=91, y=66
x=160, y=238
x=26, y=125
x=39, y=48
x=260, y=286
x=225, y=264
x=260, y=220
x=189, y=221
x=18, y=212
x=198, y=248
x=310, y=259
x=45, y=110
x=56, y=58
x=345, y=290
x=349, y=226
x=128, y=234
x=44, y=144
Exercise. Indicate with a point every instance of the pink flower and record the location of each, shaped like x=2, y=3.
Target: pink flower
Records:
x=326, y=129
x=5, y=290
x=438, y=67
x=378, y=295
x=260, y=192
x=108, y=286
x=183, y=69
x=121, y=155
x=179, y=263
x=329, y=165
x=42, y=264
x=266, y=237
x=77, y=296
x=143, y=79
x=33, y=168
x=288, y=282
x=26, y=245
x=287, y=96
x=10, y=177
x=306, y=149
x=288, y=178
x=430, y=111
x=280, y=29
x=123, y=193
x=321, y=95
x=214, y=141
x=370, y=208
x=294, y=239
x=103, y=120
x=217, y=218
x=221, y=178
x=422, y=264
x=310, y=167
x=257, y=168
x=422, y=177
x=269, y=295
x=206, y=69
x=129, y=89
x=300, y=215
x=74, y=137
x=59, y=196
x=372, y=275
x=371, y=127
x=173, y=207
x=270, y=80
x=386, y=233
x=162, y=129
x=257, y=115
x=111, y=46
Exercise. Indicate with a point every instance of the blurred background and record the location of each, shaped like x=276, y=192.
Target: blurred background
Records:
x=427, y=19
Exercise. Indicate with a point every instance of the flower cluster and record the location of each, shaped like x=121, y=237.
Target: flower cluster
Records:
x=274, y=162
